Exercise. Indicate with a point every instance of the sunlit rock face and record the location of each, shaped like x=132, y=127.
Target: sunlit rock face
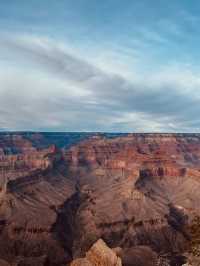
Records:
x=99, y=255
x=137, y=192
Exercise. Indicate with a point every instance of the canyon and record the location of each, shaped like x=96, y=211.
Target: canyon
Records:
x=135, y=195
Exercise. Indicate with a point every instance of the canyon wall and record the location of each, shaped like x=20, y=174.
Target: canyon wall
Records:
x=137, y=192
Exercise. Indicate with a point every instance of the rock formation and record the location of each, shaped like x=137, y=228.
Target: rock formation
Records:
x=99, y=255
x=138, y=192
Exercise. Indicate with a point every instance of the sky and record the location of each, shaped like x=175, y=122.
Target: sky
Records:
x=109, y=65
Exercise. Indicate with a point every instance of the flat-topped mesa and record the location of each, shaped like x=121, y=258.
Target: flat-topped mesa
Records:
x=14, y=144
x=166, y=154
x=99, y=255
x=20, y=165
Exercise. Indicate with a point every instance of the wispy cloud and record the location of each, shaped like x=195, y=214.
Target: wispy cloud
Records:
x=45, y=86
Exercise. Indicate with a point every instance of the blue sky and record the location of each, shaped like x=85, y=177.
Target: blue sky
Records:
x=110, y=65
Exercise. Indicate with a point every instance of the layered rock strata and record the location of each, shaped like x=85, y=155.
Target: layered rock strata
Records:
x=138, y=192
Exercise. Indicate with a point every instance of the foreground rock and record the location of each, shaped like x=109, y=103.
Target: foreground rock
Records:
x=99, y=255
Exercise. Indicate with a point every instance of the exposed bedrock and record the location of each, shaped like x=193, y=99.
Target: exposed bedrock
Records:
x=99, y=255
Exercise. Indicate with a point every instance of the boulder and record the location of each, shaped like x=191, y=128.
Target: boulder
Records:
x=99, y=255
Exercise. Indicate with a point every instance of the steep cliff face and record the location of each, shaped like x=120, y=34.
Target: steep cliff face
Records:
x=34, y=186
x=138, y=192
x=14, y=143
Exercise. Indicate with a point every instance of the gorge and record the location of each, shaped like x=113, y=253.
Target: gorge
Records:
x=62, y=192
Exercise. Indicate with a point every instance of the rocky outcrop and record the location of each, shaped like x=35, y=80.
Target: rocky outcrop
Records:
x=81, y=262
x=99, y=255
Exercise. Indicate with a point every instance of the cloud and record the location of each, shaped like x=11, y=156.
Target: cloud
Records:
x=45, y=85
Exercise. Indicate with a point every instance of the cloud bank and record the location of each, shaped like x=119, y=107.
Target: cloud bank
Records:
x=45, y=85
